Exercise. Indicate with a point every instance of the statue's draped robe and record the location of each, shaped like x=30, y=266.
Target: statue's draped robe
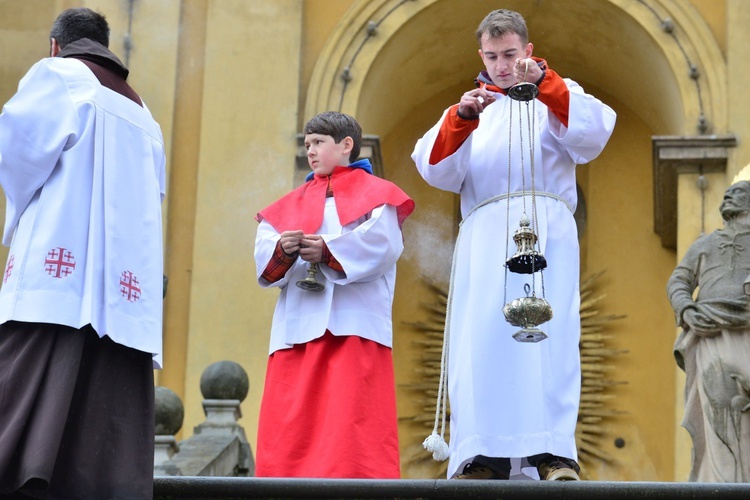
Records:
x=717, y=368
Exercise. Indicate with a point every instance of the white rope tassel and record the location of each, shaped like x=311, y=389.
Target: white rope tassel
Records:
x=437, y=445
x=435, y=442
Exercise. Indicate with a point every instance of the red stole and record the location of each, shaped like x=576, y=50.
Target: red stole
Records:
x=355, y=192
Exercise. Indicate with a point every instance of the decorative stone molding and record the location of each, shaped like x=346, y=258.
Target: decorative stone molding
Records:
x=675, y=155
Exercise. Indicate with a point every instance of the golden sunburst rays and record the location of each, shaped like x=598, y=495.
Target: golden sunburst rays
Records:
x=430, y=344
x=597, y=407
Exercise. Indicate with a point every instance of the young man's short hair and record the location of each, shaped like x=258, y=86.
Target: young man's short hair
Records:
x=500, y=22
x=337, y=125
x=74, y=24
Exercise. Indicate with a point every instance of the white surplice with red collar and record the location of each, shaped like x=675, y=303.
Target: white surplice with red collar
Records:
x=511, y=399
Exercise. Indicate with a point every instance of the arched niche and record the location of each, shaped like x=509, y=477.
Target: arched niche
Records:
x=419, y=50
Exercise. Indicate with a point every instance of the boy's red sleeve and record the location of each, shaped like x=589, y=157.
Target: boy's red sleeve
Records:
x=453, y=132
x=278, y=266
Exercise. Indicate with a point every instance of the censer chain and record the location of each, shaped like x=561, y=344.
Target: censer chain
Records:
x=507, y=210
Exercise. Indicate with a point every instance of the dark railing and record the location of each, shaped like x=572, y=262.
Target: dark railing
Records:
x=270, y=488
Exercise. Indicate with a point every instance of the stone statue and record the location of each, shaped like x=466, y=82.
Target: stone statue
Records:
x=714, y=346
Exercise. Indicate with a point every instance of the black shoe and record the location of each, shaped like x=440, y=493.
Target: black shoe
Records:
x=473, y=471
x=557, y=469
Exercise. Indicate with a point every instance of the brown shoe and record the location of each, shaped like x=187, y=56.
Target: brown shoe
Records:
x=472, y=471
x=557, y=470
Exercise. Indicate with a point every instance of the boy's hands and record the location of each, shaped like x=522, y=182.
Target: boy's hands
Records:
x=311, y=248
x=308, y=246
x=290, y=241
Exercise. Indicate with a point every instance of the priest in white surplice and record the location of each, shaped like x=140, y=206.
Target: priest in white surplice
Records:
x=82, y=166
x=510, y=399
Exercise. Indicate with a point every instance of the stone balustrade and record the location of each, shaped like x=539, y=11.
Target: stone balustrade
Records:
x=218, y=446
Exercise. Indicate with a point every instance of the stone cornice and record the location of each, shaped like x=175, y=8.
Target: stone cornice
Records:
x=675, y=155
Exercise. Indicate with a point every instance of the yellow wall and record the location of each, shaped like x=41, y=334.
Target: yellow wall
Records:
x=714, y=13
x=319, y=19
x=246, y=149
x=620, y=240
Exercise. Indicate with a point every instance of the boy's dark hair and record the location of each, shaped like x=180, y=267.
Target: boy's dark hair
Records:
x=74, y=24
x=500, y=22
x=337, y=125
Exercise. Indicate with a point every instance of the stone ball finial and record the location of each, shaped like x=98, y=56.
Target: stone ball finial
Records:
x=224, y=380
x=168, y=411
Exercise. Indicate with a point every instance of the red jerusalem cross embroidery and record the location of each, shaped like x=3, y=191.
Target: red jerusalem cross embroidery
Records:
x=9, y=268
x=59, y=263
x=129, y=286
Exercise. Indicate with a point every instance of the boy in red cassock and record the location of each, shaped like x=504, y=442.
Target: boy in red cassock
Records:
x=329, y=406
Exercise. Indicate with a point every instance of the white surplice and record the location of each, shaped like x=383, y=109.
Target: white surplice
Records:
x=83, y=171
x=511, y=399
x=357, y=302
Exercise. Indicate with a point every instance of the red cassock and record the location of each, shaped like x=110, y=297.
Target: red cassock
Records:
x=329, y=410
